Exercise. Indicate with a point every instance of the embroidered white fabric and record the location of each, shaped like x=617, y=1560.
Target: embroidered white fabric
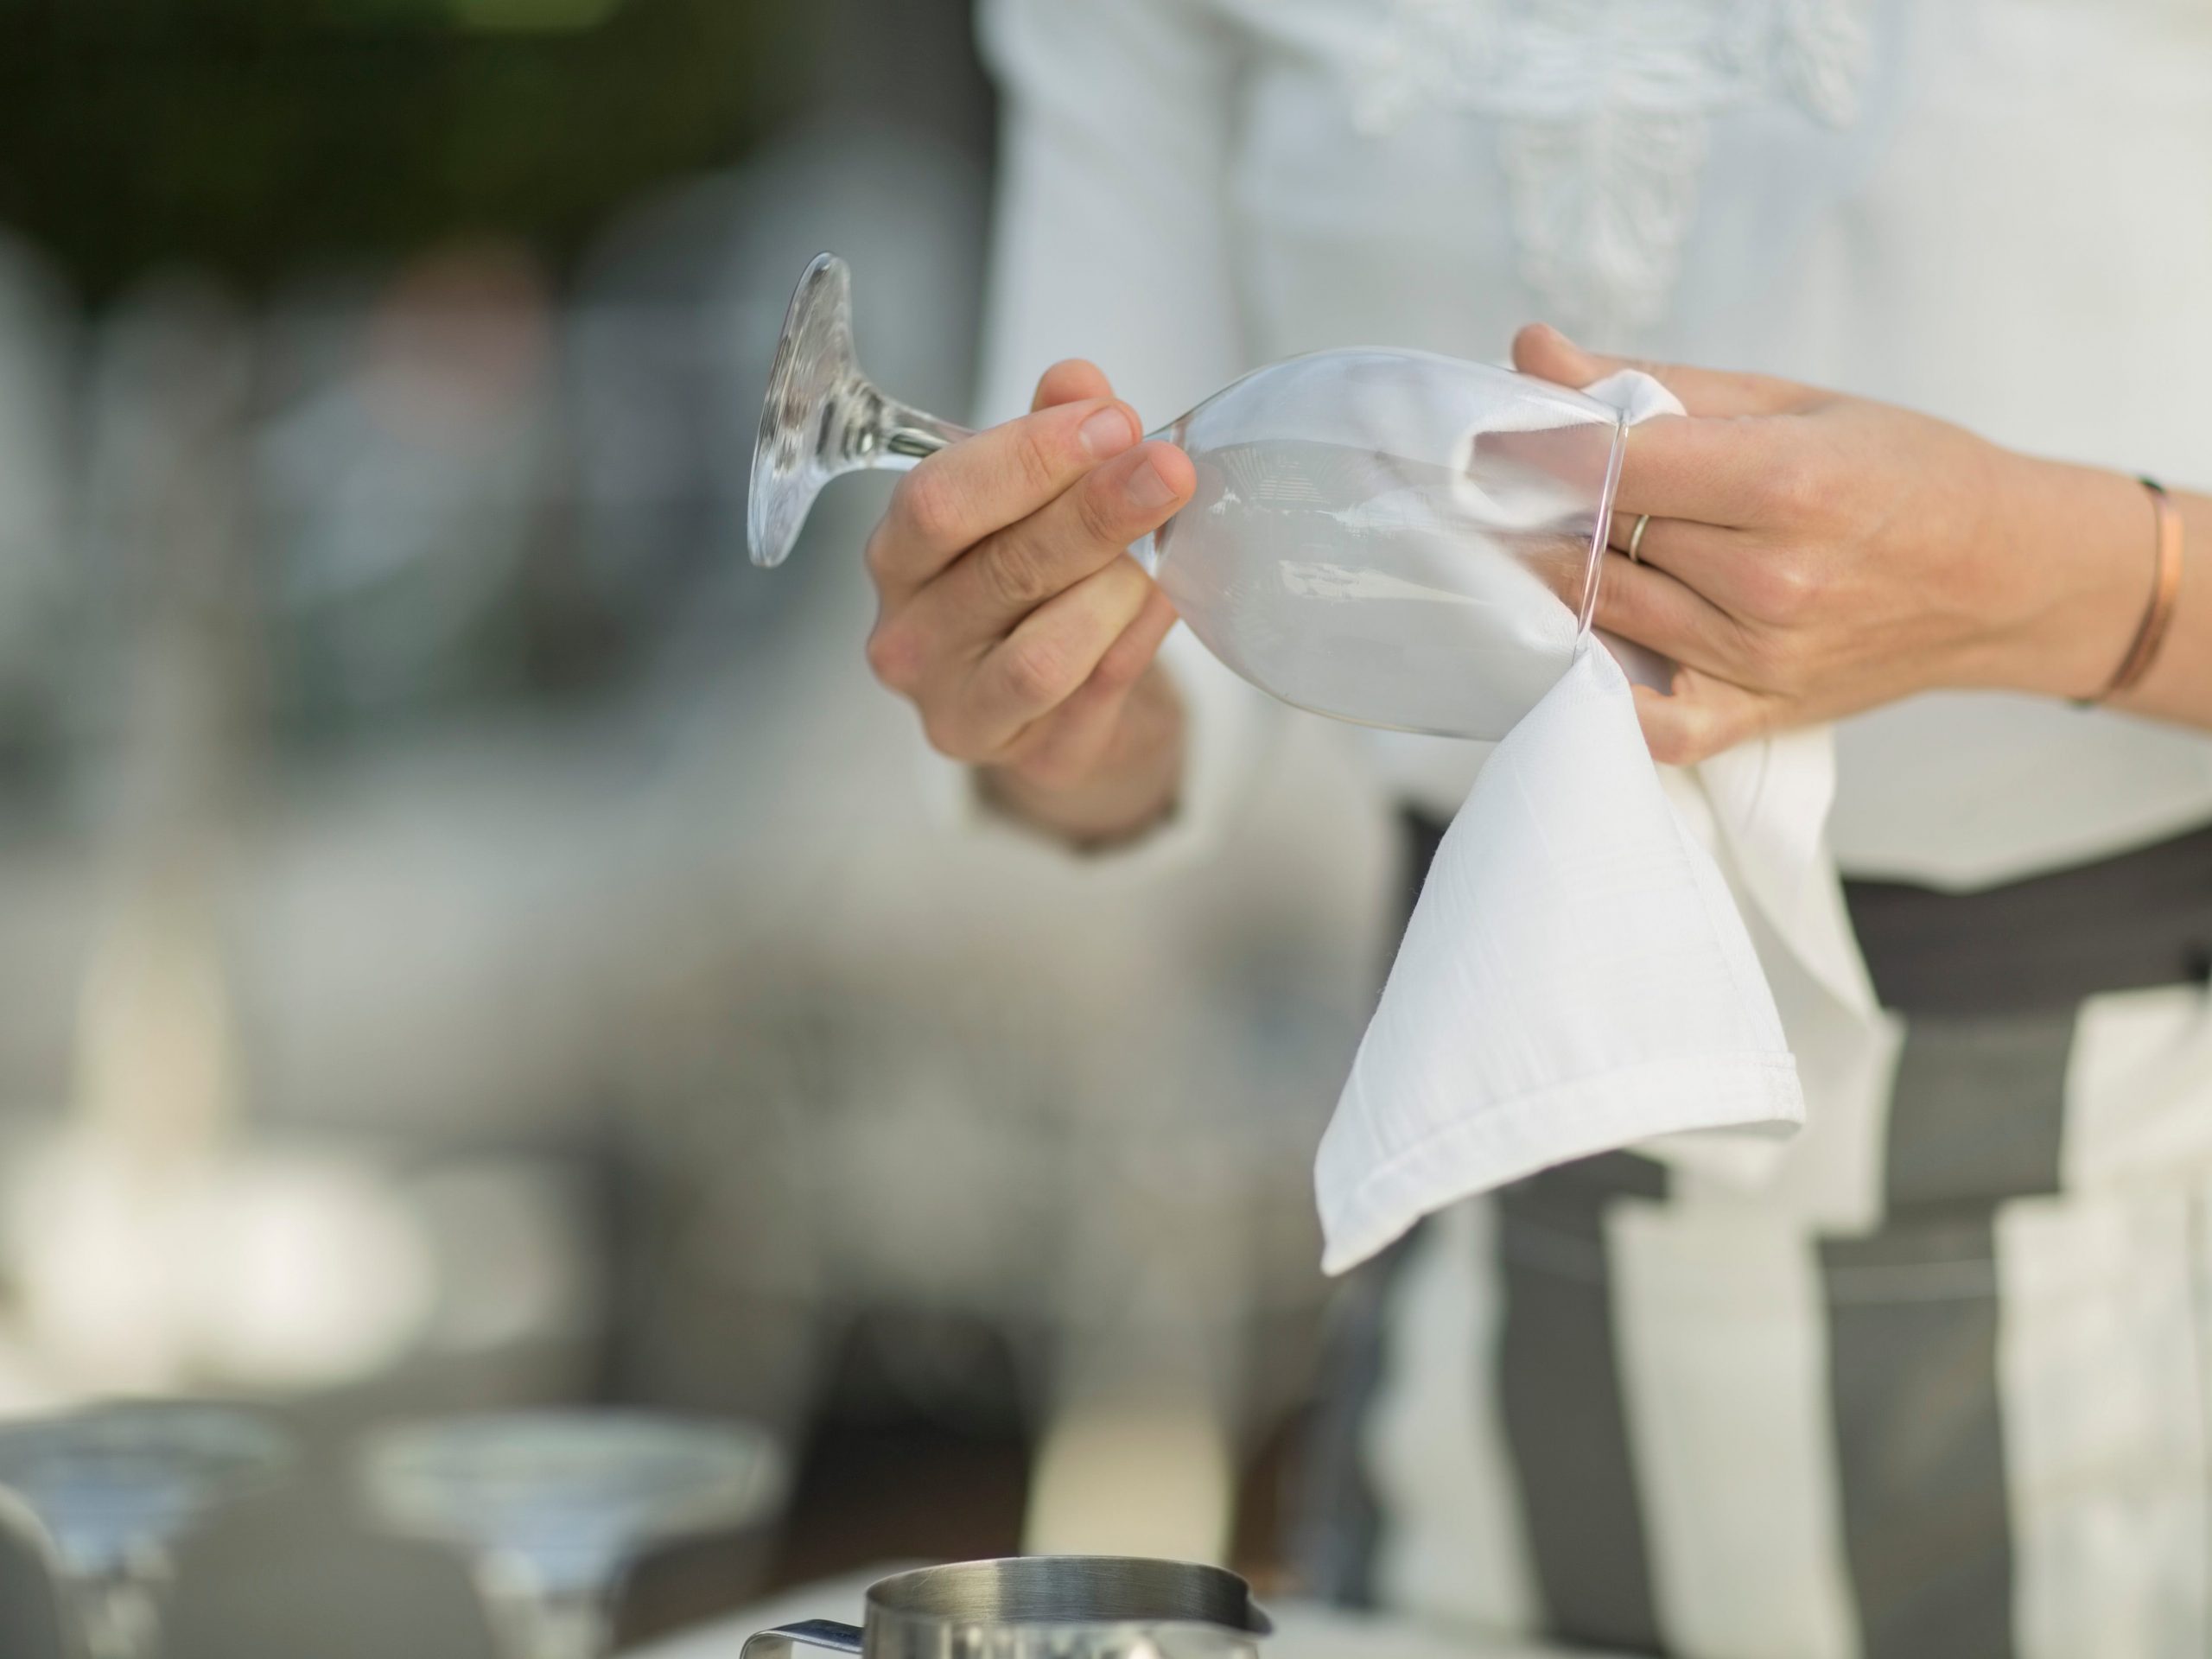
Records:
x=1604, y=112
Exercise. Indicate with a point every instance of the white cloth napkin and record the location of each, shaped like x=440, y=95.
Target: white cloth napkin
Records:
x=1577, y=976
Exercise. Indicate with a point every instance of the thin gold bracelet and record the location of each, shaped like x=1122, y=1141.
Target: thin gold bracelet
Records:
x=2165, y=585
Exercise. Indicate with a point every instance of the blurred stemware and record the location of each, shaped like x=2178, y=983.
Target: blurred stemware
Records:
x=110, y=1490
x=553, y=1508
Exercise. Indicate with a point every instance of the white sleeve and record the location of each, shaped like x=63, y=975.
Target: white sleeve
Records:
x=1111, y=242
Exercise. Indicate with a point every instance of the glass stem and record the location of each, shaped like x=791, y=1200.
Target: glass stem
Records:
x=118, y=1615
x=878, y=432
x=883, y=433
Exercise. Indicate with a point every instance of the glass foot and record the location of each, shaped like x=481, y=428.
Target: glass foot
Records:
x=802, y=423
x=824, y=419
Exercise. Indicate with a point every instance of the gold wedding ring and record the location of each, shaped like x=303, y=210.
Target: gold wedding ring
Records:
x=1636, y=537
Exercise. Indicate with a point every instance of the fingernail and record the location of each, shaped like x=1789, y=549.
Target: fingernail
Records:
x=1106, y=432
x=1147, y=488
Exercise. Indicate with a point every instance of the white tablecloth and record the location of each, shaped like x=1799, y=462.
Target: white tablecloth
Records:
x=1303, y=1630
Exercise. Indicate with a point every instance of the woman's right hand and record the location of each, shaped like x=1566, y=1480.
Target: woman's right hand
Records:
x=1009, y=617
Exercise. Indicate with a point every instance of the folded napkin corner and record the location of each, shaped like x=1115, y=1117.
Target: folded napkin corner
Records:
x=1575, y=978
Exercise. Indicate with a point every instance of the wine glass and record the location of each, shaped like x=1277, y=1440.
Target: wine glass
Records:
x=1391, y=537
x=111, y=1488
x=554, y=1507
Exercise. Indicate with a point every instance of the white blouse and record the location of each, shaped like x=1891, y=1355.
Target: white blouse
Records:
x=1992, y=210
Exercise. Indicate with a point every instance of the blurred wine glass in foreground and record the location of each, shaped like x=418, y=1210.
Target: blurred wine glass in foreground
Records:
x=112, y=1487
x=553, y=1508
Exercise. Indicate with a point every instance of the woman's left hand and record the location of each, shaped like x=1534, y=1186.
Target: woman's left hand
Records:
x=1811, y=555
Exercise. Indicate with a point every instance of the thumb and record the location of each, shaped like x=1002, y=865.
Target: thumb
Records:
x=1542, y=351
x=1700, y=716
x=1073, y=381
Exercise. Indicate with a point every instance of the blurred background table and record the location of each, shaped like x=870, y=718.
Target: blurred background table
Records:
x=471, y=941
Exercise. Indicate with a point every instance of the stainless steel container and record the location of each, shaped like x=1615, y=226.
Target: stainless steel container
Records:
x=1043, y=1607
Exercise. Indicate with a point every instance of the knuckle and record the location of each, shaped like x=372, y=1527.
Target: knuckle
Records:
x=1098, y=516
x=1118, y=670
x=1014, y=570
x=877, y=553
x=1036, y=671
x=1126, y=657
x=894, y=656
x=945, y=734
x=1685, y=730
x=1787, y=587
x=1688, y=741
x=930, y=505
x=1036, y=459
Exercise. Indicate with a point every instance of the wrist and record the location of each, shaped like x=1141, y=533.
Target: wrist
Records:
x=2074, y=555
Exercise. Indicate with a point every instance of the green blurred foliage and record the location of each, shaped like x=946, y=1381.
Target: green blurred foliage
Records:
x=249, y=135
